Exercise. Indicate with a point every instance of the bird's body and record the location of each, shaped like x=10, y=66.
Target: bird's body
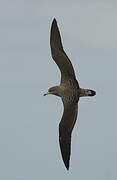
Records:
x=69, y=91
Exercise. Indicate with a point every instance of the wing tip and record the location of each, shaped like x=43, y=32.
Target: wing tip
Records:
x=66, y=159
x=65, y=152
x=54, y=21
x=67, y=166
x=66, y=163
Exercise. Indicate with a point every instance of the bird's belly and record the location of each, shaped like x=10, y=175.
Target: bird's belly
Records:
x=70, y=94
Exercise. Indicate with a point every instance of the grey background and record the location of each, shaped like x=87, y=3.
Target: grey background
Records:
x=29, y=148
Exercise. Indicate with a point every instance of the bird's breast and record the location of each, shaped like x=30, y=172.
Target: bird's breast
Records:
x=70, y=92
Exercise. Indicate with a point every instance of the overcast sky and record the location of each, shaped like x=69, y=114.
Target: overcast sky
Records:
x=29, y=146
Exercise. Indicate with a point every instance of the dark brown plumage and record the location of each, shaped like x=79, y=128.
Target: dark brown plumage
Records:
x=68, y=90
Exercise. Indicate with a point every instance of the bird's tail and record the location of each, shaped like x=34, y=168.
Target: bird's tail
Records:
x=86, y=92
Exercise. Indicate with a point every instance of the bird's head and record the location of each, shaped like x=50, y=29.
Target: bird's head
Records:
x=53, y=90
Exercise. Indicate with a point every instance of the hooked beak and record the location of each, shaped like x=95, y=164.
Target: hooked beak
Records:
x=47, y=93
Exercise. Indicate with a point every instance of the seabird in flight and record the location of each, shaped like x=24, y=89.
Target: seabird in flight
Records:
x=69, y=91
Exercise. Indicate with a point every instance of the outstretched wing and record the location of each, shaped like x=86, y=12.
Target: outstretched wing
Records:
x=59, y=55
x=65, y=130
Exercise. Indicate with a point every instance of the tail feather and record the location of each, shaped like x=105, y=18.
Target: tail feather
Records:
x=91, y=93
x=86, y=92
